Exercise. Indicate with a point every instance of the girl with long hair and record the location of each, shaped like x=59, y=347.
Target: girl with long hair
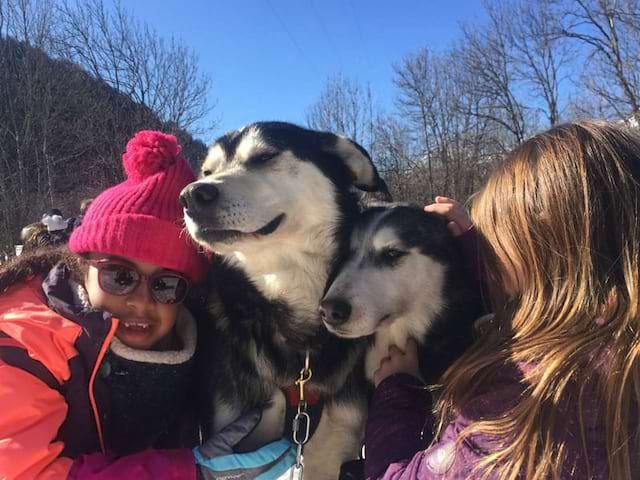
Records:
x=552, y=390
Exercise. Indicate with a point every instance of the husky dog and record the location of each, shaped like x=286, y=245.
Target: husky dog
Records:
x=276, y=202
x=403, y=279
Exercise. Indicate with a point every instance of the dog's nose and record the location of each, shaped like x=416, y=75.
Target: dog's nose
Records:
x=198, y=195
x=335, y=311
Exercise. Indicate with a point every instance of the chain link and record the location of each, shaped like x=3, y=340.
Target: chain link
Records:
x=302, y=421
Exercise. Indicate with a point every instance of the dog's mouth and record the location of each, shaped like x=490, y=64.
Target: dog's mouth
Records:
x=271, y=227
x=345, y=332
x=216, y=235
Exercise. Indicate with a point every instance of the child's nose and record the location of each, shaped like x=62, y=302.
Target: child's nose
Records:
x=140, y=299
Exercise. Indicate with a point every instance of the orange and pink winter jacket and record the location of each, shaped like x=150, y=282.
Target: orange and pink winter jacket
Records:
x=51, y=415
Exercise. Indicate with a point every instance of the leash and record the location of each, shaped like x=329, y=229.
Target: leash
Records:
x=302, y=421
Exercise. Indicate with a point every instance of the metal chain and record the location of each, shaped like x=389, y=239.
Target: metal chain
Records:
x=302, y=421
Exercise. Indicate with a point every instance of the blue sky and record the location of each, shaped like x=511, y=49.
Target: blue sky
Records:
x=269, y=59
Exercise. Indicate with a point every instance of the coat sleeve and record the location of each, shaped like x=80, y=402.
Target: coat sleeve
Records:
x=31, y=414
x=394, y=449
x=399, y=423
x=178, y=464
x=398, y=457
x=442, y=461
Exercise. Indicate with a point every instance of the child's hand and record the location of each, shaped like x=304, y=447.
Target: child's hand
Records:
x=398, y=362
x=459, y=220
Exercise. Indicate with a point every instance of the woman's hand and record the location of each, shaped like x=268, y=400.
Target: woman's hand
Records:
x=456, y=214
x=398, y=362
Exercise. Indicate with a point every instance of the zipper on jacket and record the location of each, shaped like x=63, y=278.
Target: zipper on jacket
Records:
x=96, y=368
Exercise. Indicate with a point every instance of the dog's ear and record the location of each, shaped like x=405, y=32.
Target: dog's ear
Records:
x=363, y=172
x=384, y=191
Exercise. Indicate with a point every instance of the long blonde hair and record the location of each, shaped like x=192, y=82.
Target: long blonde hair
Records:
x=560, y=230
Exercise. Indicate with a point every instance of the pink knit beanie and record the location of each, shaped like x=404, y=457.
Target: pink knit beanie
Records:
x=141, y=218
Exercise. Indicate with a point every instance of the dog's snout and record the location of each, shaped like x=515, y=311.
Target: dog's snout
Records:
x=198, y=195
x=335, y=311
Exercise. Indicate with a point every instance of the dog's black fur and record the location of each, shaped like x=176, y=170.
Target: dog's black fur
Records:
x=253, y=318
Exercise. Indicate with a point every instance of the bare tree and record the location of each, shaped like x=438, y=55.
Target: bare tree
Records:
x=62, y=130
x=418, y=82
x=540, y=59
x=394, y=155
x=26, y=99
x=346, y=107
x=485, y=54
x=449, y=138
x=608, y=32
x=31, y=21
x=131, y=57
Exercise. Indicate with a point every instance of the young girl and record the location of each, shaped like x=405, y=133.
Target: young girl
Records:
x=553, y=390
x=96, y=349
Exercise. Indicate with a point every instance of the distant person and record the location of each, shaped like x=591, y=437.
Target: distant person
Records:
x=74, y=222
x=85, y=203
x=56, y=229
x=34, y=236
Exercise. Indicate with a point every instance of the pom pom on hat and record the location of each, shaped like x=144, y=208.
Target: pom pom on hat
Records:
x=149, y=152
x=141, y=218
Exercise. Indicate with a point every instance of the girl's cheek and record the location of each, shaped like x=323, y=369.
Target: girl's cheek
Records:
x=93, y=289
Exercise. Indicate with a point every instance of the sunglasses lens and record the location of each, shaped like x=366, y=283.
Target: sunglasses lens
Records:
x=169, y=289
x=118, y=279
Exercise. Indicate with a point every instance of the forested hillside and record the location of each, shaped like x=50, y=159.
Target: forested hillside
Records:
x=63, y=127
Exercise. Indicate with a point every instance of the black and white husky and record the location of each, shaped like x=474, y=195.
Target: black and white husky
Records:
x=276, y=203
x=404, y=278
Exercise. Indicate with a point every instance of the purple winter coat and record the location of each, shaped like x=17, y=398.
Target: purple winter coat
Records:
x=399, y=410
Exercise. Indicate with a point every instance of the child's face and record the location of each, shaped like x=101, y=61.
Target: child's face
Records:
x=144, y=323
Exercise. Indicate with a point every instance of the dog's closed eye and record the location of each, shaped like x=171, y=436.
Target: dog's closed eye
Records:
x=391, y=255
x=261, y=159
